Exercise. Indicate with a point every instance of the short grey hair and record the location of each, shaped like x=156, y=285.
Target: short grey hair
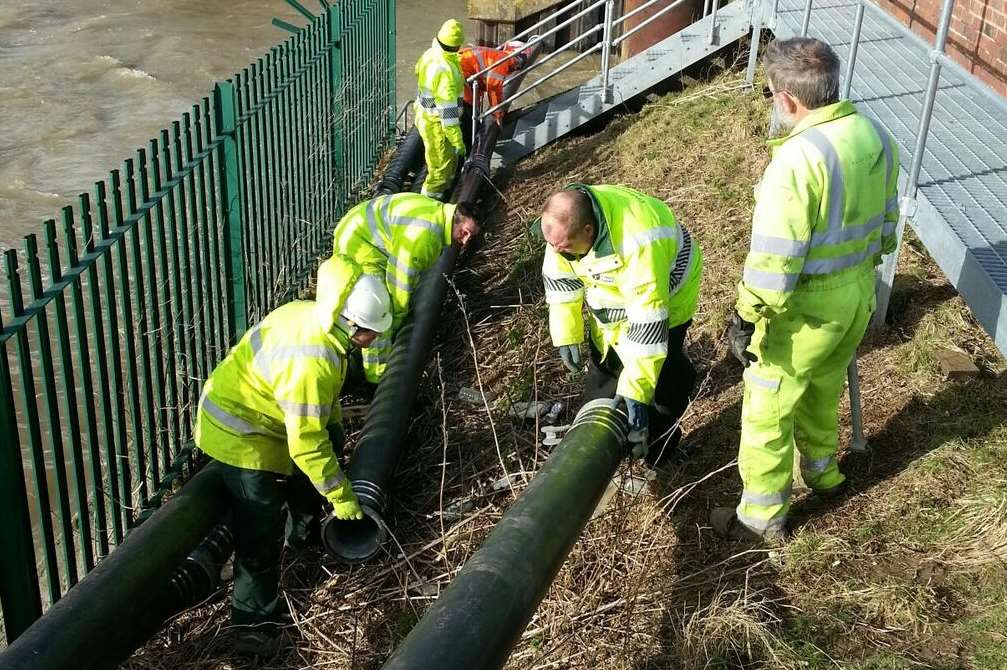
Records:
x=806, y=68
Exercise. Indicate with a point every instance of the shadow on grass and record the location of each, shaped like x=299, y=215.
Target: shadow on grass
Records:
x=968, y=410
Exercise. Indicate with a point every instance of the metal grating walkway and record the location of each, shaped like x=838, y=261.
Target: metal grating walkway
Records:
x=962, y=203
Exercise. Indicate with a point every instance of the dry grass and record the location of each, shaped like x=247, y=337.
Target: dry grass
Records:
x=648, y=586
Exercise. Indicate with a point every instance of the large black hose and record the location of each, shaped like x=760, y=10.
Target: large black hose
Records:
x=406, y=160
x=383, y=437
x=123, y=601
x=480, y=617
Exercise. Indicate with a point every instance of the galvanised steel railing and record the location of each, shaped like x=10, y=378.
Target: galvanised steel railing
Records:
x=609, y=28
x=112, y=317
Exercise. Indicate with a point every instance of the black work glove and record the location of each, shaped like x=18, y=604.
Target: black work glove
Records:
x=739, y=336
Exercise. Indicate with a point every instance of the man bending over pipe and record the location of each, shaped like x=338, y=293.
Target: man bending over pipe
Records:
x=398, y=237
x=624, y=254
x=825, y=212
x=270, y=414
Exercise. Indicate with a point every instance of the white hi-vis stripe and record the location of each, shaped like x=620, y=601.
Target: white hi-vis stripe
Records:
x=766, y=499
x=304, y=409
x=650, y=236
x=762, y=525
x=779, y=246
x=378, y=233
x=633, y=348
x=235, y=423
x=638, y=315
x=263, y=359
x=835, y=232
x=401, y=220
x=770, y=281
x=402, y=267
x=837, y=189
x=331, y=483
x=396, y=282
x=818, y=466
x=823, y=266
x=768, y=384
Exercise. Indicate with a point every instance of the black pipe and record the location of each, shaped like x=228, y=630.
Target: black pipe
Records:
x=199, y=575
x=480, y=617
x=382, y=438
x=406, y=160
x=120, y=603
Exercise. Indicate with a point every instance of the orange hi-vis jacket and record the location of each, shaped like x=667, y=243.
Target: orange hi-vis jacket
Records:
x=474, y=59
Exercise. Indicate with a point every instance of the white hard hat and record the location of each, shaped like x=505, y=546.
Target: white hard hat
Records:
x=369, y=305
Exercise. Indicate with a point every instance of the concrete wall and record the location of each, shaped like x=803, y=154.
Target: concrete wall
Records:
x=978, y=35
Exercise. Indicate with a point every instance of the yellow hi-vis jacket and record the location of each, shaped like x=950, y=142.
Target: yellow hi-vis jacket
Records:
x=397, y=236
x=268, y=404
x=440, y=83
x=827, y=203
x=640, y=278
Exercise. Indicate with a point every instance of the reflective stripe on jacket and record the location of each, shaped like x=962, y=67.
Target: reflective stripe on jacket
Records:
x=268, y=403
x=398, y=236
x=440, y=84
x=474, y=59
x=827, y=203
x=640, y=278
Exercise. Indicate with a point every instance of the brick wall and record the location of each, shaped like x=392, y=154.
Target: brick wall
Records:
x=977, y=38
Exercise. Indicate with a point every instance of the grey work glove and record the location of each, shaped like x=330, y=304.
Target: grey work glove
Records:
x=639, y=421
x=570, y=353
x=739, y=336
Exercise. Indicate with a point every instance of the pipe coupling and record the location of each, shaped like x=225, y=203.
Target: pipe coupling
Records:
x=607, y=413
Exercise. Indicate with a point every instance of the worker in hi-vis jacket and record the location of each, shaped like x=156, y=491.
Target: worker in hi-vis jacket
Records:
x=270, y=415
x=825, y=212
x=623, y=255
x=438, y=109
x=398, y=237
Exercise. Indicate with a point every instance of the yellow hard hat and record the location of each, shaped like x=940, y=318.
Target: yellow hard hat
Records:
x=451, y=33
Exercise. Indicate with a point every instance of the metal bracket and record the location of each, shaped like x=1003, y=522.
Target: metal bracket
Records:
x=907, y=206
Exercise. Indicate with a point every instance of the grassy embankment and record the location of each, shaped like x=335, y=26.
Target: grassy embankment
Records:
x=906, y=571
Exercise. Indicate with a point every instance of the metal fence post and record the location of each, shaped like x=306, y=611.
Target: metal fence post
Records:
x=337, y=148
x=390, y=65
x=907, y=206
x=753, y=49
x=713, y=22
x=230, y=178
x=807, y=18
x=606, y=52
x=858, y=24
x=19, y=589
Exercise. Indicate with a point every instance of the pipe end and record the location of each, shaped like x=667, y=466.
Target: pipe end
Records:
x=353, y=542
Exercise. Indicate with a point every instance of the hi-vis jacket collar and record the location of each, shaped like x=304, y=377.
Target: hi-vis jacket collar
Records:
x=816, y=117
x=603, y=239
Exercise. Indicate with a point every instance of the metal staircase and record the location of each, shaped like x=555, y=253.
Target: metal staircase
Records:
x=614, y=85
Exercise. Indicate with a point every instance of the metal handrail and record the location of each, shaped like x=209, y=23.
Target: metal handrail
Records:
x=628, y=15
x=557, y=52
x=626, y=35
x=544, y=79
x=608, y=42
x=530, y=29
x=538, y=40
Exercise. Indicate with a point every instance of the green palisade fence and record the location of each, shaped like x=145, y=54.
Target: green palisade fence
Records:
x=113, y=316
